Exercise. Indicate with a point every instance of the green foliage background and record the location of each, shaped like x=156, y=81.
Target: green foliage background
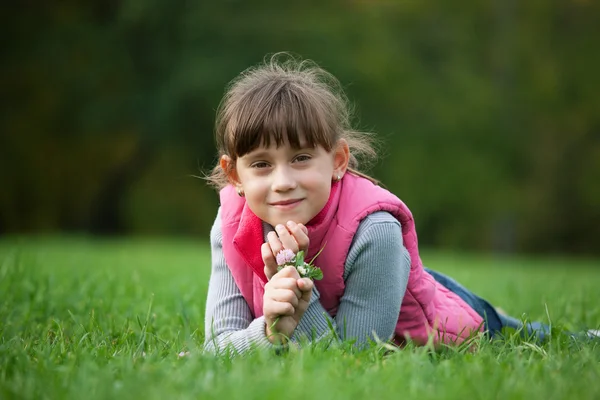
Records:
x=488, y=111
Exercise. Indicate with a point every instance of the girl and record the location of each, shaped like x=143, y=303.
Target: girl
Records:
x=288, y=179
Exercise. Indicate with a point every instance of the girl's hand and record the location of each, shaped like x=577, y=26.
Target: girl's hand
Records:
x=285, y=300
x=293, y=236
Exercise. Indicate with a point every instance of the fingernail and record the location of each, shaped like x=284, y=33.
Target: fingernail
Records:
x=290, y=224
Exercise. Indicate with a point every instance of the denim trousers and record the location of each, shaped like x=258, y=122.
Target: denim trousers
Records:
x=494, y=321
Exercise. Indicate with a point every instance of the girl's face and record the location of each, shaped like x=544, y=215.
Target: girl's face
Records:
x=284, y=184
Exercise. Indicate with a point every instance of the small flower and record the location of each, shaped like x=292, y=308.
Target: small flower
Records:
x=285, y=256
x=183, y=354
x=302, y=271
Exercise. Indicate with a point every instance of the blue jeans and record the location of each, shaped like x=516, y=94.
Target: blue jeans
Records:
x=494, y=322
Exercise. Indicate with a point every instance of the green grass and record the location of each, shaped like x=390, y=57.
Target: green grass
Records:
x=86, y=319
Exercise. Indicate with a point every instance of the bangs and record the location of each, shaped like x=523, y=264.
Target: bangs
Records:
x=280, y=112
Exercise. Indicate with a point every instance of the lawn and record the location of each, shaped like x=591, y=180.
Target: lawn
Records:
x=86, y=319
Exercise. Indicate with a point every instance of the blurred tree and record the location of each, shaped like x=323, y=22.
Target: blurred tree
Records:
x=488, y=110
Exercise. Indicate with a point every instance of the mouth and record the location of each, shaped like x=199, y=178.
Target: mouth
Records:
x=286, y=203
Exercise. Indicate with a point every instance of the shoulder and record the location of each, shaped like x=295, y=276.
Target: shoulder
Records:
x=361, y=198
x=376, y=230
x=231, y=204
x=377, y=243
x=381, y=221
x=216, y=235
x=358, y=185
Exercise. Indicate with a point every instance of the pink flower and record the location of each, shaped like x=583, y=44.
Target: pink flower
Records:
x=285, y=256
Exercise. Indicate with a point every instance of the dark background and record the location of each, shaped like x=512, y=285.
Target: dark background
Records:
x=488, y=111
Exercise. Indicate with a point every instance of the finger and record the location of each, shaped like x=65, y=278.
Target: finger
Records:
x=286, y=238
x=306, y=286
x=277, y=308
x=278, y=282
x=274, y=242
x=284, y=296
x=304, y=229
x=269, y=260
x=289, y=272
x=300, y=234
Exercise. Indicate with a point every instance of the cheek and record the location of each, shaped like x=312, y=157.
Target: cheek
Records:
x=255, y=187
x=322, y=188
x=321, y=181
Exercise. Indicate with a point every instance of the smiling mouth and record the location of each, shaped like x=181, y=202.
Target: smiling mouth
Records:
x=286, y=203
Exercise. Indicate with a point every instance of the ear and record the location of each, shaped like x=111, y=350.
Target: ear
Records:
x=228, y=167
x=341, y=158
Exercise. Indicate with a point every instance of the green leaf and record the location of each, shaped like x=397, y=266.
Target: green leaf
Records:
x=300, y=258
x=317, y=274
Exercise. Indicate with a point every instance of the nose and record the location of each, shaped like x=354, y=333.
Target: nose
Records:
x=283, y=180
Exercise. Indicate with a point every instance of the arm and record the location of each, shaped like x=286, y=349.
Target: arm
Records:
x=371, y=301
x=378, y=266
x=376, y=275
x=228, y=320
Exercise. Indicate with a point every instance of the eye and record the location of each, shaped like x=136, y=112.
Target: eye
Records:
x=302, y=158
x=259, y=165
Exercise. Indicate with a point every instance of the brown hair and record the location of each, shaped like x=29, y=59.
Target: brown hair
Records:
x=285, y=99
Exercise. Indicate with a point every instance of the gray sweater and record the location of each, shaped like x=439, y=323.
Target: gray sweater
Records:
x=375, y=273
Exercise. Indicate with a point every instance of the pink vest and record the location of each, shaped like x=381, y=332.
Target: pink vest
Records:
x=428, y=308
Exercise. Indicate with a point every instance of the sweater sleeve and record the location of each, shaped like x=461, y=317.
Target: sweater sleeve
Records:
x=376, y=275
x=228, y=321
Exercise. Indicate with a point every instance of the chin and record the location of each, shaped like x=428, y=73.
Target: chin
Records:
x=284, y=220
